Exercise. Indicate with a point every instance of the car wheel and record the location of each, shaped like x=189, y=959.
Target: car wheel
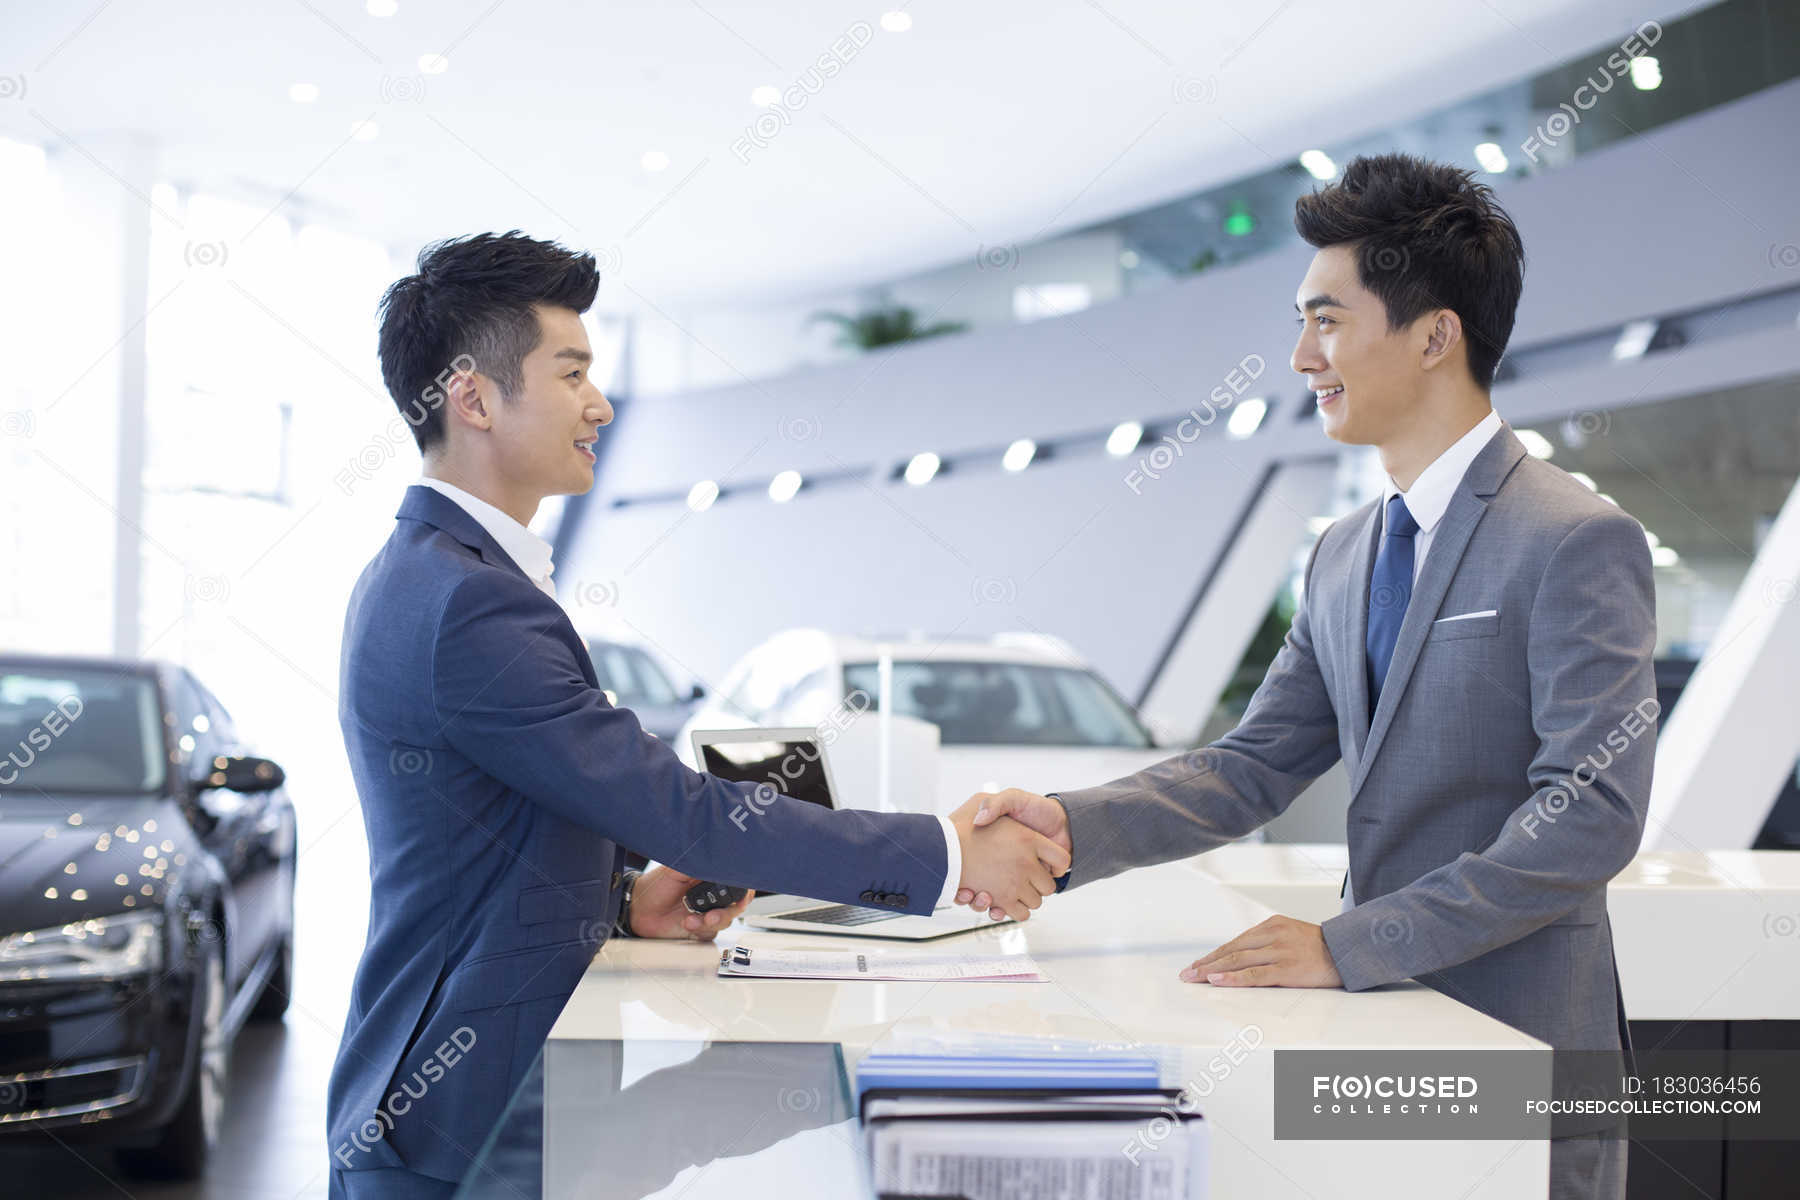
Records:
x=272, y=1003
x=184, y=1144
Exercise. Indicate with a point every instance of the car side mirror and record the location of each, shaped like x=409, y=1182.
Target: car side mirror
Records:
x=241, y=773
x=699, y=693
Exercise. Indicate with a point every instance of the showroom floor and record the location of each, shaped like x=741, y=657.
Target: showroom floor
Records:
x=273, y=1143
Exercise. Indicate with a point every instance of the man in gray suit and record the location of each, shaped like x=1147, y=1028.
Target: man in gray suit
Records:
x=1475, y=647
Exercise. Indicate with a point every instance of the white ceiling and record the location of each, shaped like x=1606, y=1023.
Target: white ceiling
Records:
x=988, y=123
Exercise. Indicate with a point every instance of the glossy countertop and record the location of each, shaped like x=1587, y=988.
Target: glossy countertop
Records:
x=1699, y=934
x=1110, y=953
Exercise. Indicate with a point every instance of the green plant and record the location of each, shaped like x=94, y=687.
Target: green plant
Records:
x=884, y=326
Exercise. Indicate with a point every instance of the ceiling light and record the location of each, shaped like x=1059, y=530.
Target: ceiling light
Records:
x=783, y=487
x=1318, y=164
x=922, y=468
x=1652, y=539
x=1491, y=157
x=1239, y=223
x=382, y=8
x=701, y=496
x=1634, y=339
x=654, y=160
x=1585, y=480
x=1646, y=73
x=766, y=96
x=433, y=64
x=1247, y=418
x=1536, y=443
x=1124, y=438
x=303, y=93
x=896, y=22
x=364, y=131
x=1018, y=456
x=1128, y=259
x=1664, y=556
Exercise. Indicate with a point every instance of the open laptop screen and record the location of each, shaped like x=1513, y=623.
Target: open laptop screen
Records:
x=795, y=768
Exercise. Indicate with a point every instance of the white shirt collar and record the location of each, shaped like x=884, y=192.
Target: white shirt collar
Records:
x=1429, y=496
x=524, y=547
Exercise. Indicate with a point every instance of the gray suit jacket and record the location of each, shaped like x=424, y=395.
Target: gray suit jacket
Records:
x=1501, y=781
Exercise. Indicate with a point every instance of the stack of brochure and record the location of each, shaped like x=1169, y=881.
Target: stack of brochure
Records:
x=1063, y=1124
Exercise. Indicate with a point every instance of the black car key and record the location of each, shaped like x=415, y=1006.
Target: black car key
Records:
x=704, y=897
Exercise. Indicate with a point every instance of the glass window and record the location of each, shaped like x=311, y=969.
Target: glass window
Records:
x=1005, y=703
x=79, y=730
x=631, y=675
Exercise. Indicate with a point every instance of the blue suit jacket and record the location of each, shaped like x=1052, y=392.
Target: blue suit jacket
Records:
x=501, y=794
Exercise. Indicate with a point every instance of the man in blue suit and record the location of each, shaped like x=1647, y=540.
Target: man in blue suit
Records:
x=503, y=795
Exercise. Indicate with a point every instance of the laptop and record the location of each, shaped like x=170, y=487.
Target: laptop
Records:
x=795, y=763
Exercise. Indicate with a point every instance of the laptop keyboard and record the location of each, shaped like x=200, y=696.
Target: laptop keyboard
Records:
x=841, y=914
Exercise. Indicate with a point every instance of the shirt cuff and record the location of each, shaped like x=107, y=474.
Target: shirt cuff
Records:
x=952, y=863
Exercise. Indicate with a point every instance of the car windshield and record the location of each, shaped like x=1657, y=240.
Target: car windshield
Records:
x=80, y=730
x=631, y=675
x=1005, y=703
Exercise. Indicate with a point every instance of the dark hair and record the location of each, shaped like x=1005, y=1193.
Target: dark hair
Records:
x=470, y=307
x=1427, y=236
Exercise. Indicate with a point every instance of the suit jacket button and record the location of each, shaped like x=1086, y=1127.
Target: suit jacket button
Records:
x=897, y=899
x=867, y=897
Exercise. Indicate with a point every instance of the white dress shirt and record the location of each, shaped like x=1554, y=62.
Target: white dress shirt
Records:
x=1429, y=496
x=1427, y=500
x=532, y=554
x=527, y=549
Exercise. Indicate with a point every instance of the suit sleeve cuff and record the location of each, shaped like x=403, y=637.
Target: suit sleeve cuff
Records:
x=952, y=863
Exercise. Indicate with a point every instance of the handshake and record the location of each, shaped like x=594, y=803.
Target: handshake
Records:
x=1014, y=846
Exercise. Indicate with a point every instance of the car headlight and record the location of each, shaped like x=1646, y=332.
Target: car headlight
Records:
x=99, y=948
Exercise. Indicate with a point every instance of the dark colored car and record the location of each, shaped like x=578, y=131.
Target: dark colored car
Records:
x=146, y=905
x=638, y=682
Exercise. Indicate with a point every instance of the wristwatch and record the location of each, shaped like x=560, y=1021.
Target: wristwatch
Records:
x=622, y=924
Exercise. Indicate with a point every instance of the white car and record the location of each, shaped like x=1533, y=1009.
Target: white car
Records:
x=1014, y=710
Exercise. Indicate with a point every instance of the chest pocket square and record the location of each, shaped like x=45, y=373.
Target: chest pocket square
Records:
x=1485, y=623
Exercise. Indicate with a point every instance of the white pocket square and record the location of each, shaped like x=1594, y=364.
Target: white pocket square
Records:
x=1486, y=612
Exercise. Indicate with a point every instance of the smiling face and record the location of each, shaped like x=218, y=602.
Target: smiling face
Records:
x=543, y=434
x=1345, y=343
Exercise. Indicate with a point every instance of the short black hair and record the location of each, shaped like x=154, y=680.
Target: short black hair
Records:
x=471, y=302
x=1427, y=236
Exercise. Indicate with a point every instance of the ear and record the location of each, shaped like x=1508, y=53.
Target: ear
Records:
x=1442, y=336
x=465, y=402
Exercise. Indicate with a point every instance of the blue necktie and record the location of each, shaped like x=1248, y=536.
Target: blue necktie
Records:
x=1390, y=590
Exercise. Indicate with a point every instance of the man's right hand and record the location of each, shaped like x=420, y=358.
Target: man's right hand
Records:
x=1040, y=813
x=1009, y=863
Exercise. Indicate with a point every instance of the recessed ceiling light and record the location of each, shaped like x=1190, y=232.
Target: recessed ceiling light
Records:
x=896, y=22
x=303, y=93
x=382, y=8
x=433, y=64
x=784, y=486
x=654, y=160
x=1247, y=417
x=1664, y=556
x=1491, y=157
x=1585, y=480
x=1124, y=438
x=766, y=96
x=1018, y=456
x=1536, y=444
x=1318, y=164
x=922, y=468
x=700, y=497
x=1129, y=259
x=1646, y=73
x=364, y=131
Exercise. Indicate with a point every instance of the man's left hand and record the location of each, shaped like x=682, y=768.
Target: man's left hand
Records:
x=657, y=909
x=1280, y=952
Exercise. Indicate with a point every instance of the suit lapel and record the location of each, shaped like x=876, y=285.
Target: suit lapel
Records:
x=1352, y=657
x=1448, y=541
